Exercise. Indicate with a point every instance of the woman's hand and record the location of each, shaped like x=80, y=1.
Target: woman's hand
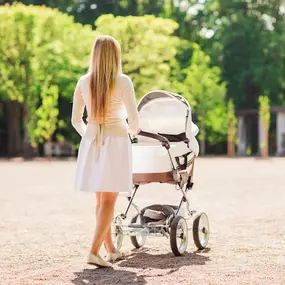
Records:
x=138, y=131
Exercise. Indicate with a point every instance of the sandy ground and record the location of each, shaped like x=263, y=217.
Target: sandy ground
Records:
x=46, y=229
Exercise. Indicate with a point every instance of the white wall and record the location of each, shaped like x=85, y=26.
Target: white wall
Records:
x=241, y=137
x=280, y=130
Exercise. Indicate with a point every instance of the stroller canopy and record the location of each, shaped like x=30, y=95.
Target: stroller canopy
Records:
x=167, y=114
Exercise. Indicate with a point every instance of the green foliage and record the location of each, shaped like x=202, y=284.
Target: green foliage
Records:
x=16, y=51
x=264, y=111
x=248, y=150
x=86, y=12
x=244, y=38
x=239, y=42
x=231, y=117
x=203, y=88
x=231, y=122
x=251, y=35
x=148, y=48
x=264, y=114
x=43, y=52
x=46, y=115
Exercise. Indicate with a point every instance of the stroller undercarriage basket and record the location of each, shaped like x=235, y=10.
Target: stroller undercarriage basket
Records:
x=156, y=213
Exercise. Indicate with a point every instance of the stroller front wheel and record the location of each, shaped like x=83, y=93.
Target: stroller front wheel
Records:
x=201, y=231
x=117, y=234
x=178, y=235
x=138, y=240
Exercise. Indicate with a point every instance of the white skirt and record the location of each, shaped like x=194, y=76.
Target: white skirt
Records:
x=104, y=169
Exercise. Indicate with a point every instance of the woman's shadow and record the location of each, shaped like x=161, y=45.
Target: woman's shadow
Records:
x=139, y=260
x=107, y=276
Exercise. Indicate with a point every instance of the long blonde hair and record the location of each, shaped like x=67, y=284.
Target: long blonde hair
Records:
x=105, y=64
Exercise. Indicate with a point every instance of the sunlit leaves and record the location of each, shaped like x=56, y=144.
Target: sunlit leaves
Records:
x=42, y=54
x=148, y=48
x=206, y=93
x=264, y=110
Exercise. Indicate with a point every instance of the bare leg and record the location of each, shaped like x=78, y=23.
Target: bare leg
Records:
x=108, y=242
x=104, y=212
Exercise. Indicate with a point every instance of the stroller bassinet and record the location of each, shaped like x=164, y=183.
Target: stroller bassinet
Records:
x=169, y=116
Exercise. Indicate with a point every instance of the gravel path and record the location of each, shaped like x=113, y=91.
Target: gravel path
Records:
x=46, y=229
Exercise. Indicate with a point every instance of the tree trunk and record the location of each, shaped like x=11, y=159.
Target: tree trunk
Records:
x=266, y=146
x=203, y=142
x=264, y=150
x=28, y=150
x=14, y=125
x=231, y=139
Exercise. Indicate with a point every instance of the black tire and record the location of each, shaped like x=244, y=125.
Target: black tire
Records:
x=136, y=243
x=206, y=231
x=176, y=249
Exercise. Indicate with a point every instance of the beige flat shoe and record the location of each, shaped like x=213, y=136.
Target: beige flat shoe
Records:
x=112, y=257
x=98, y=261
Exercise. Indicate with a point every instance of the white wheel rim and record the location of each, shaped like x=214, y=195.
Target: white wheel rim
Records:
x=117, y=235
x=182, y=235
x=143, y=235
x=203, y=230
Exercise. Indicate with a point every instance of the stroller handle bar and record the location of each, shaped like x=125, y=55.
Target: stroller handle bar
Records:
x=164, y=141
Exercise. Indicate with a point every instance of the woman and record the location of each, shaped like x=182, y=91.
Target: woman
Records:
x=104, y=157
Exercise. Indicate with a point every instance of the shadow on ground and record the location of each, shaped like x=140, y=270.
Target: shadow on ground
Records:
x=144, y=260
x=107, y=277
x=141, y=260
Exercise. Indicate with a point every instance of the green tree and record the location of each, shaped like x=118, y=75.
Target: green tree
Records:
x=245, y=38
x=46, y=116
x=232, y=121
x=148, y=48
x=16, y=84
x=87, y=11
x=38, y=43
x=248, y=44
x=264, y=114
x=205, y=91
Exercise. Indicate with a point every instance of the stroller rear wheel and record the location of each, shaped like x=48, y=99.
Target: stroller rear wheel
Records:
x=139, y=240
x=178, y=235
x=117, y=234
x=201, y=231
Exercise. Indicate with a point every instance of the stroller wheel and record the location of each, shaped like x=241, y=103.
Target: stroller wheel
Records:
x=138, y=240
x=178, y=235
x=117, y=233
x=201, y=231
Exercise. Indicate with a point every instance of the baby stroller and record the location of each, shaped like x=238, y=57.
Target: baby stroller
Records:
x=164, y=152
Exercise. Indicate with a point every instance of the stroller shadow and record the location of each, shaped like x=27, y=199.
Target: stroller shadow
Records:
x=144, y=260
x=107, y=277
x=139, y=259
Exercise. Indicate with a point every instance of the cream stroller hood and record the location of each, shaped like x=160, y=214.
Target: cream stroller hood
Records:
x=164, y=116
x=164, y=112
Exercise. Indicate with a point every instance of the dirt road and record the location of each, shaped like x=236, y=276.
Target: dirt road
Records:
x=46, y=229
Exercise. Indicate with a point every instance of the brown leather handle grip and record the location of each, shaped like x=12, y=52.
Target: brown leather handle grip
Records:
x=164, y=141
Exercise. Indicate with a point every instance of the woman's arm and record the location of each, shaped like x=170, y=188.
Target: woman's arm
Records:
x=77, y=111
x=129, y=99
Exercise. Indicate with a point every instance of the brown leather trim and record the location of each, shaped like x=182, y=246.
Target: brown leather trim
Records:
x=165, y=177
x=192, y=168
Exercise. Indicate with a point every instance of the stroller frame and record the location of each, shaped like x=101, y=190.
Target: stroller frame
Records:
x=172, y=225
